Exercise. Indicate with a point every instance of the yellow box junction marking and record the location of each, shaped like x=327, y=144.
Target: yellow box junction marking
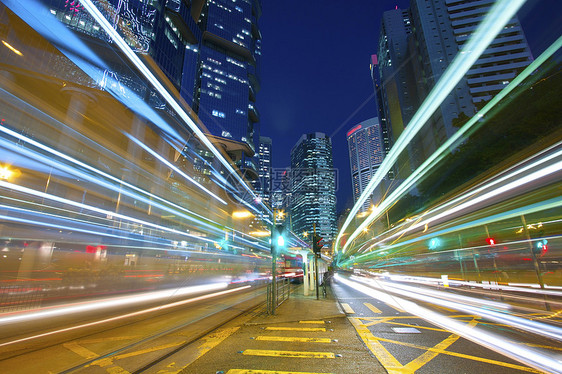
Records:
x=309, y=329
x=292, y=354
x=244, y=371
x=373, y=308
x=394, y=367
x=348, y=309
x=313, y=322
x=293, y=339
x=390, y=363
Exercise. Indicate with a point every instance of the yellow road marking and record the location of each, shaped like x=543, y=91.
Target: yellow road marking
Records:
x=462, y=355
x=348, y=309
x=376, y=322
x=394, y=367
x=295, y=328
x=244, y=371
x=396, y=307
x=210, y=341
x=109, y=360
x=390, y=363
x=543, y=346
x=313, y=322
x=214, y=339
x=373, y=308
x=79, y=350
x=415, y=326
x=414, y=317
x=427, y=356
x=444, y=308
x=293, y=354
x=293, y=339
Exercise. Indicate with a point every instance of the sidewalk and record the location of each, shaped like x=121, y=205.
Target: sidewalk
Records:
x=304, y=336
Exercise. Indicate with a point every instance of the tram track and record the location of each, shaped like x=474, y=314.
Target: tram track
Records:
x=160, y=335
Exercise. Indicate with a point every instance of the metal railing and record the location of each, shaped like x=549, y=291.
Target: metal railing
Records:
x=282, y=293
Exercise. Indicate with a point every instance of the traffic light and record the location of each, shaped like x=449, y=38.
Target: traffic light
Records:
x=491, y=241
x=316, y=245
x=278, y=236
x=434, y=244
x=541, y=248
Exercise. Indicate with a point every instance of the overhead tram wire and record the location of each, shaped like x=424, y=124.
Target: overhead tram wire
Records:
x=496, y=19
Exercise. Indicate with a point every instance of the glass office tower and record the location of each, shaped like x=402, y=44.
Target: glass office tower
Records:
x=366, y=152
x=227, y=80
x=313, y=186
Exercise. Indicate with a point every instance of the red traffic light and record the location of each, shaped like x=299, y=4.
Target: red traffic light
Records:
x=491, y=241
x=316, y=245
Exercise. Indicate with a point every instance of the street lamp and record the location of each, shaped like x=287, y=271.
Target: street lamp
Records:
x=7, y=173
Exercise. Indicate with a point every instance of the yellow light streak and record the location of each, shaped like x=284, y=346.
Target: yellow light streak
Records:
x=242, y=214
x=9, y=46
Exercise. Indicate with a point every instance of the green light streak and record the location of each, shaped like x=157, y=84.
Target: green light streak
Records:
x=438, y=155
x=496, y=19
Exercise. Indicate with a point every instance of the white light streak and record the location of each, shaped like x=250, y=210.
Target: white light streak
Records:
x=96, y=14
x=123, y=316
x=527, y=355
x=498, y=16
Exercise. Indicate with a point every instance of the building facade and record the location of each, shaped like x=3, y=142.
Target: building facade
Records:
x=415, y=48
x=366, y=152
x=263, y=184
x=504, y=58
x=209, y=50
x=227, y=74
x=313, y=181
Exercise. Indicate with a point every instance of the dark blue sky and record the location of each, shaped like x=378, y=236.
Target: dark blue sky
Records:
x=315, y=69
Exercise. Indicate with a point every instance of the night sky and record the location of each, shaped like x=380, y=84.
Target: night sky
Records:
x=315, y=69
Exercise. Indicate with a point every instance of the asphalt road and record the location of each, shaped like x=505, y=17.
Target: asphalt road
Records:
x=404, y=342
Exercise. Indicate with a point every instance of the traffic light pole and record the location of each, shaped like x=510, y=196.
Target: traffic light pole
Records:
x=315, y=261
x=273, y=269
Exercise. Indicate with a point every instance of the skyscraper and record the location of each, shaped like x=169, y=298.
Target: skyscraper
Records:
x=209, y=50
x=227, y=80
x=263, y=183
x=313, y=186
x=395, y=69
x=504, y=58
x=398, y=93
x=366, y=152
x=415, y=48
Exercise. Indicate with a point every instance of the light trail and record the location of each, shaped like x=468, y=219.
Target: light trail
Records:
x=133, y=58
x=527, y=355
x=533, y=177
x=498, y=16
x=123, y=316
x=467, y=304
x=213, y=226
x=62, y=200
x=173, y=167
x=441, y=152
x=102, y=304
x=547, y=204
